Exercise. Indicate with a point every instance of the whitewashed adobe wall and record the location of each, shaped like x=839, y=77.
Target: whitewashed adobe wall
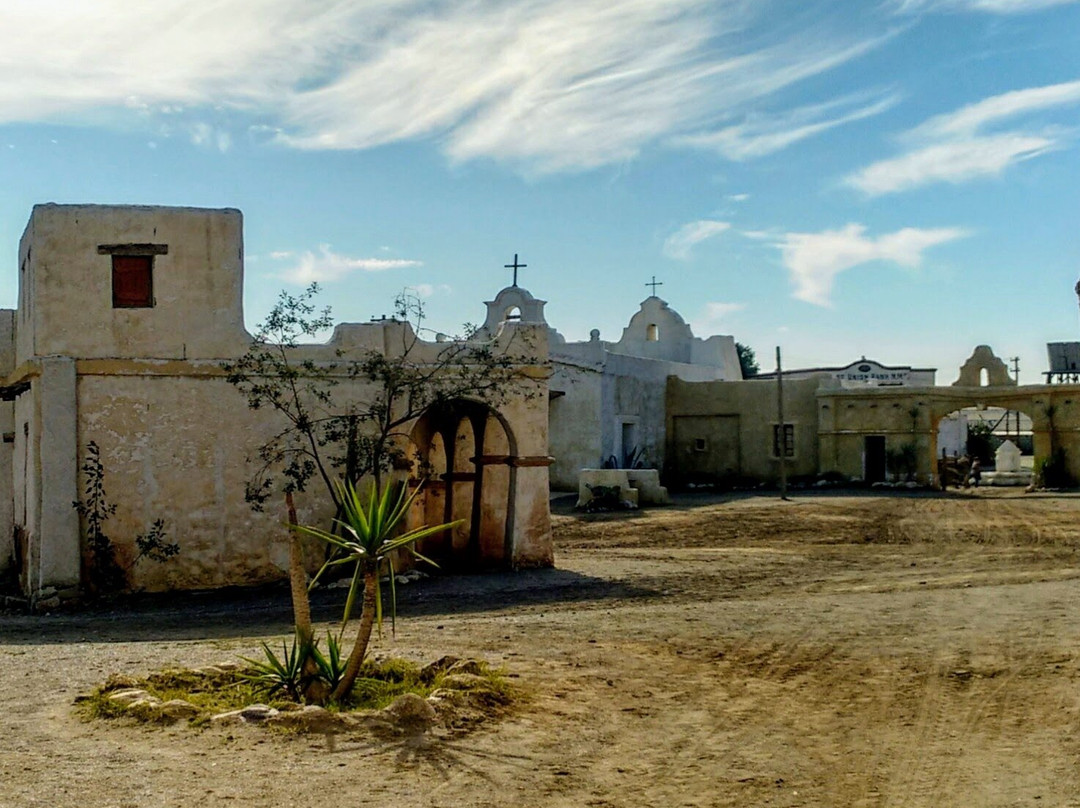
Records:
x=608, y=397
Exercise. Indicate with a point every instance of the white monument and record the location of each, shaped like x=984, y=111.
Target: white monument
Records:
x=1007, y=467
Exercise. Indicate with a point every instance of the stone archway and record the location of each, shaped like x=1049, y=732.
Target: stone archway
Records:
x=467, y=452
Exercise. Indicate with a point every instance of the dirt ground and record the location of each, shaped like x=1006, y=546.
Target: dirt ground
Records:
x=835, y=650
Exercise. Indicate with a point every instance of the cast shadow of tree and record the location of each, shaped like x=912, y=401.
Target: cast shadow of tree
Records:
x=225, y=614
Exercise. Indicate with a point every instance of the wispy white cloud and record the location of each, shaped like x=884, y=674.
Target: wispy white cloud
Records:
x=548, y=85
x=203, y=134
x=324, y=265
x=990, y=6
x=955, y=148
x=759, y=135
x=681, y=243
x=737, y=197
x=713, y=316
x=968, y=120
x=813, y=260
x=426, y=290
x=954, y=161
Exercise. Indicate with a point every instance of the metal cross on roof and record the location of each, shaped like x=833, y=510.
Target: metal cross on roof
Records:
x=654, y=283
x=515, y=266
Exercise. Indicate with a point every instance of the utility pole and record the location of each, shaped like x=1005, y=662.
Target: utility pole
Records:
x=781, y=438
x=1016, y=376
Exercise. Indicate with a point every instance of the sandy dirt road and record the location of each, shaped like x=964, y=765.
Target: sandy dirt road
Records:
x=840, y=650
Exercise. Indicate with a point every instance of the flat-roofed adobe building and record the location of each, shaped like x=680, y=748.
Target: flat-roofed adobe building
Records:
x=124, y=319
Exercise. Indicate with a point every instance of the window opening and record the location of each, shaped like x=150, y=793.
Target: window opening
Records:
x=133, y=273
x=132, y=281
x=652, y=332
x=788, y=440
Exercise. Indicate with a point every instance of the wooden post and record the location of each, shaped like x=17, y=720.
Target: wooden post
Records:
x=781, y=438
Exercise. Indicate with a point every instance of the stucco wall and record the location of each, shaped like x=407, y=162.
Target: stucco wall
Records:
x=586, y=424
x=178, y=443
x=723, y=431
x=574, y=423
x=7, y=444
x=177, y=448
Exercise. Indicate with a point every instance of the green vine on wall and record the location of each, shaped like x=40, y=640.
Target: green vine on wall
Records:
x=105, y=574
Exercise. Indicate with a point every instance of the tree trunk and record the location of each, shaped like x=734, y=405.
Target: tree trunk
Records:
x=363, y=636
x=316, y=691
x=298, y=578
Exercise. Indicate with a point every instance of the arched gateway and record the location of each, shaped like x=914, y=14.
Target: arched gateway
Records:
x=851, y=422
x=468, y=454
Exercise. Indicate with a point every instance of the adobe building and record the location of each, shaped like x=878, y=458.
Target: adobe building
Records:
x=607, y=398
x=125, y=316
x=722, y=432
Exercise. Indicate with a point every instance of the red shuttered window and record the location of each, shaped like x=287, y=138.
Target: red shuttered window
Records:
x=132, y=281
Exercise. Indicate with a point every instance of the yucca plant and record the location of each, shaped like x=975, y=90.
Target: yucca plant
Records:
x=285, y=675
x=368, y=533
x=330, y=666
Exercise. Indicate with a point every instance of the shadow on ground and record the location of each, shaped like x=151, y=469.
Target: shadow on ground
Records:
x=239, y=612
x=682, y=501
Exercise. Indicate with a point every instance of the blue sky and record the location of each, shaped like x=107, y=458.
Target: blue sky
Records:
x=894, y=178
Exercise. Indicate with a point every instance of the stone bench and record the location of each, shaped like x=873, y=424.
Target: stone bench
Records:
x=636, y=486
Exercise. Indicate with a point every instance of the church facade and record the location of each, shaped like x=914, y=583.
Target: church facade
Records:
x=607, y=398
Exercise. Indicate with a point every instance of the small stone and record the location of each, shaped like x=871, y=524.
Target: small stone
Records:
x=231, y=717
x=257, y=713
x=409, y=711
x=311, y=718
x=147, y=708
x=464, y=681
x=429, y=672
x=46, y=592
x=469, y=666
x=179, y=709
x=46, y=604
x=445, y=695
x=121, y=681
x=128, y=696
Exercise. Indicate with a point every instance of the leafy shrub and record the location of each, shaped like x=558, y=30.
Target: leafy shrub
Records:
x=604, y=498
x=903, y=461
x=632, y=459
x=981, y=442
x=1053, y=471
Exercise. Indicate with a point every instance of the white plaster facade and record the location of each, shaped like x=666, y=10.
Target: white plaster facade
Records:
x=146, y=384
x=607, y=398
